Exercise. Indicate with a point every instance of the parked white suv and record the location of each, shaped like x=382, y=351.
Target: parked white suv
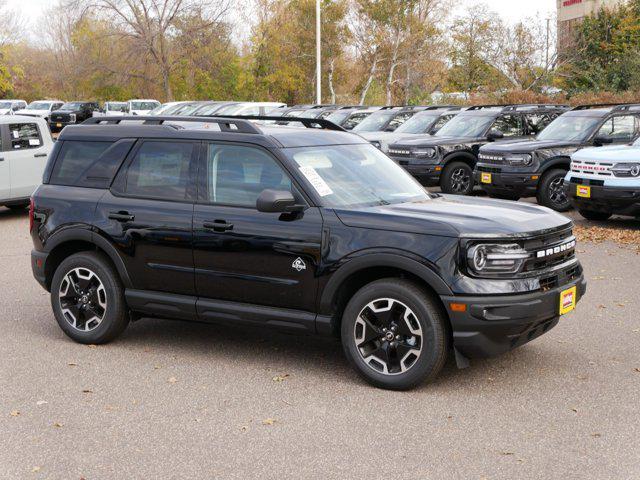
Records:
x=10, y=107
x=605, y=181
x=112, y=109
x=40, y=108
x=142, y=106
x=25, y=144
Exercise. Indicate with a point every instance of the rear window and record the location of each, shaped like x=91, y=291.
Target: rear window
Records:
x=89, y=164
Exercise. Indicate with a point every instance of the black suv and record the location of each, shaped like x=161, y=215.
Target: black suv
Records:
x=449, y=157
x=512, y=170
x=306, y=229
x=71, y=113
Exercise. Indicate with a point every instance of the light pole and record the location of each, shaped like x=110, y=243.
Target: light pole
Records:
x=318, y=53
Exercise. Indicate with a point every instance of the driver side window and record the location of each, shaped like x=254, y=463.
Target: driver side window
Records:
x=621, y=128
x=509, y=125
x=236, y=175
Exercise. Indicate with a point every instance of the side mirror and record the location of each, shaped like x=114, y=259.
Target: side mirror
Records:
x=602, y=140
x=277, y=201
x=495, y=135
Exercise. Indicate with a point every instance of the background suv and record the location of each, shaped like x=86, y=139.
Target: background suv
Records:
x=71, y=113
x=537, y=167
x=314, y=231
x=41, y=108
x=449, y=157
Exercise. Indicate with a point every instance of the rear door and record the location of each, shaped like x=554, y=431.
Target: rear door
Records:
x=5, y=169
x=29, y=147
x=148, y=215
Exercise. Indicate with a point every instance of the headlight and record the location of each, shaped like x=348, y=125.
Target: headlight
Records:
x=425, y=152
x=519, y=160
x=496, y=258
x=626, y=169
x=72, y=117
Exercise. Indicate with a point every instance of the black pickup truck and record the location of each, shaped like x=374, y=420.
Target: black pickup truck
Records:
x=71, y=113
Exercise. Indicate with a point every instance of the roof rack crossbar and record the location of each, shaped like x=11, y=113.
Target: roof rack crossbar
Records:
x=307, y=122
x=227, y=124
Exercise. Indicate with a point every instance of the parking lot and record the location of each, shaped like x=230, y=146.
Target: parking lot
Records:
x=184, y=400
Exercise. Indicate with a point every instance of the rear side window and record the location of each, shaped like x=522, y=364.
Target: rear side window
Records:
x=539, y=121
x=509, y=125
x=89, y=164
x=24, y=136
x=160, y=170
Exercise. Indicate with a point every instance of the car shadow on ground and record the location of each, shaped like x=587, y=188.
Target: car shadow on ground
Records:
x=13, y=213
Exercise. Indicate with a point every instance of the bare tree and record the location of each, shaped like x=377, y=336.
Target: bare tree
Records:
x=11, y=24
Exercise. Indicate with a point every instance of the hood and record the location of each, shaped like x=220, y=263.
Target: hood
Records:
x=4, y=111
x=458, y=216
x=32, y=112
x=617, y=153
x=372, y=136
x=525, y=146
x=426, y=140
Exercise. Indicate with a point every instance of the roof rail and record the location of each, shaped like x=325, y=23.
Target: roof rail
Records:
x=225, y=123
x=481, y=107
x=613, y=106
x=516, y=106
x=307, y=122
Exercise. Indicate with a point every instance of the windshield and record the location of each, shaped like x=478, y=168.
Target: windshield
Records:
x=143, y=105
x=337, y=117
x=569, y=128
x=355, y=176
x=38, y=106
x=116, y=106
x=420, y=123
x=72, y=106
x=466, y=126
x=374, y=122
x=4, y=105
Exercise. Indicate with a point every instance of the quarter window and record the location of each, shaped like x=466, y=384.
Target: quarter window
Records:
x=236, y=175
x=398, y=120
x=509, y=125
x=538, y=121
x=160, y=170
x=24, y=136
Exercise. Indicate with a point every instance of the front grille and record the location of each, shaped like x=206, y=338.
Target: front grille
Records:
x=491, y=159
x=602, y=169
x=549, y=251
x=400, y=152
x=482, y=168
x=60, y=117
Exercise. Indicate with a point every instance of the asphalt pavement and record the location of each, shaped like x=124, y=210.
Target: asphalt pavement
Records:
x=174, y=400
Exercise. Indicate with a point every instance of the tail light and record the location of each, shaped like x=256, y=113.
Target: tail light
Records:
x=31, y=209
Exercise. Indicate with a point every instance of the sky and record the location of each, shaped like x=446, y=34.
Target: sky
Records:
x=510, y=10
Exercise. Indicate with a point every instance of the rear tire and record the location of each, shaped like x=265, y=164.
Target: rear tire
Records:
x=551, y=191
x=595, y=216
x=88, y=299
x=457, y=178
x=395, y=334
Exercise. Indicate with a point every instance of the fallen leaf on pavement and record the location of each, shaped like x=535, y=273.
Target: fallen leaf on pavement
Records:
x=15, y=413
x=269, y=421
x=36, y=469
x=72, y=364
x=574, y=410
x=507, y=453
x=172, y=380
x=596, y=435
x=87, y=391
x=58, y=424
x=41, y=402
x=280, y=378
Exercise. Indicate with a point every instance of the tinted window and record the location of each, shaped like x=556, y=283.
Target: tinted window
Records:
x=509, y=125
x=539, y=121
x=441, y=122
x=24, y=136
x=398, y=120
x=160, y=170
x=354, y=120
x=74, y=159
x=620, y=128
x=237, y=175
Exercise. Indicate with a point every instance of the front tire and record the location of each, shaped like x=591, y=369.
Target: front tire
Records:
x=395, y=334
x=551, y=191
x=595, y=216
x=457, y=178
x=88, y=299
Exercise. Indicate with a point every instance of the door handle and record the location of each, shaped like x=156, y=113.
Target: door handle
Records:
x=121, y=216
x=218, y=226
x=40, y=155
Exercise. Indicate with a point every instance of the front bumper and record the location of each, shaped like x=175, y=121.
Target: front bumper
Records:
x=493, y=325
x=58, y=126
x=617, y=200
x=38, y=266
x=517, y=184
x=426, y=173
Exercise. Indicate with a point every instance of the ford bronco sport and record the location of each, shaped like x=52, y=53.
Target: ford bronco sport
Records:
x=307, y=229
x=537, y=167
x=449, y=157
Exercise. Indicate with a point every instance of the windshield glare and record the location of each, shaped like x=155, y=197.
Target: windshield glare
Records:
x=38, y=106
x=355, y=176
x=466, y=126
x=374, y=122
x=420, y=123
x=143, y=105
x=116, y=107
x=569, y=128
x=337, y=117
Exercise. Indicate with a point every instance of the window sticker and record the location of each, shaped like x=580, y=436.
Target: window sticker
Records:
x=16, y=133
x=316, y=181
x=34, y=142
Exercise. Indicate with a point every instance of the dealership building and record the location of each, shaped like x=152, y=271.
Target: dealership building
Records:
x=571, y=13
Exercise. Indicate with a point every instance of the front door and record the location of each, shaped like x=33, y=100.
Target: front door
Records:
x=27, y=155
x=241, y=254
x=148, y=215
x=5, y=168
